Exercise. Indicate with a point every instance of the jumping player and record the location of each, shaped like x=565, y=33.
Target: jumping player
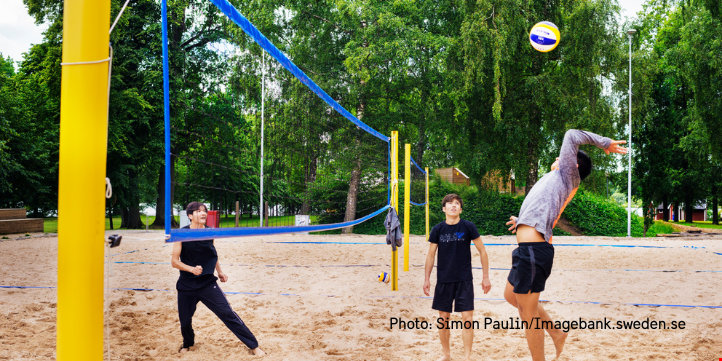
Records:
x=196, y=261
x=454, y=281
x=542, y=207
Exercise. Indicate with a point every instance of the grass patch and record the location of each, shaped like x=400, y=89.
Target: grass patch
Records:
x=707, y=224
x=659, y=227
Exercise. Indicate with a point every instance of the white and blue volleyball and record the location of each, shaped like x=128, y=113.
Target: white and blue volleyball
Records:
x=544, y=36
x=384, y=277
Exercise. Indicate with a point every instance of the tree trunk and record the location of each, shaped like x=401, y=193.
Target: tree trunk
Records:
x=665, y=210
x=533, y=162
x=123, y=217
x=688, y=210
x=110, y=217
x=159, y=222
x=356, y=172
x=715, y=212
x=532, y=154
x=352, y=194
x=134, y=221
x=310, y=178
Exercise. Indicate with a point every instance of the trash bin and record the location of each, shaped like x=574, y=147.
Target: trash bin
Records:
x=213, y=220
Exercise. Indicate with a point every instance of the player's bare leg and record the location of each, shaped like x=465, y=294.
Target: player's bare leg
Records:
x=529, y=312
x=444, y=335
x=558, y=336
x=467, y=334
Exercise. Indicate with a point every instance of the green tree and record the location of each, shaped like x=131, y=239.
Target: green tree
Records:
x=517, y=102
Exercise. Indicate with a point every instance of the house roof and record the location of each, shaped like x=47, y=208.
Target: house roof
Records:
x=462, y=173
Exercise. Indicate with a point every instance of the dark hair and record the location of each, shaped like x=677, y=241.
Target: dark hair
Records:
x=450, y=198
x=194, y=206
x=585, y=164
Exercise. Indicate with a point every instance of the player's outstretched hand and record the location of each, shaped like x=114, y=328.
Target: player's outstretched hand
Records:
x=512, y=222
x=615, y=148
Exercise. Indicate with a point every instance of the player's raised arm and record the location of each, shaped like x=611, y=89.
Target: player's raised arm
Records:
x=572, y=140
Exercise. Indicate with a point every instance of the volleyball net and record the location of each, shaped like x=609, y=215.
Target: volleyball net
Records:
x=419, y=183
x=263, y=146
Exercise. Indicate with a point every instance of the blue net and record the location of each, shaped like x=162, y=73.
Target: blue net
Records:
x=264, y=139
x=418, y=184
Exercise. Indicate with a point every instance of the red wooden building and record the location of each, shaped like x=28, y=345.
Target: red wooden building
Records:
x=677, y=213
x=453, y=175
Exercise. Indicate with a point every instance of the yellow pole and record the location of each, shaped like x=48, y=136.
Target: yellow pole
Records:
x=427, y=203
x=407, y=204
x=81, y=201
x=395, y=204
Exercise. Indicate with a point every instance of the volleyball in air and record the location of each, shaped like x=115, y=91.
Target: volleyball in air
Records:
x=544, y=36
x=384, y=277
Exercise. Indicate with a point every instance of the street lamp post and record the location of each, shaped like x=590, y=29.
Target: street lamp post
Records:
x=630, y=33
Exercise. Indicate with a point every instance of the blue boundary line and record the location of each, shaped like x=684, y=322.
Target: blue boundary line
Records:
x=498, y=244
x=385, y=265
x=420, y=297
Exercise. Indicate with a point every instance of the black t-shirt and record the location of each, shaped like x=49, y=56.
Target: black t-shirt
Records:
x=197, y=253
x=454, y=261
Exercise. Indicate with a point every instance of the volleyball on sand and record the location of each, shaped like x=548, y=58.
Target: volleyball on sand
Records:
x=544, y=36
x=384, y=277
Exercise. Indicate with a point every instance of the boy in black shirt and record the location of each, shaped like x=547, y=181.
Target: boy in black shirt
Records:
x=453, y=239
x=196, y=261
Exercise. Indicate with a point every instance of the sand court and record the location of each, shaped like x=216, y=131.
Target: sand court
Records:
x=317, y=297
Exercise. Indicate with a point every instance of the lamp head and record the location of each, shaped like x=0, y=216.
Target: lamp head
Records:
x=631, y=32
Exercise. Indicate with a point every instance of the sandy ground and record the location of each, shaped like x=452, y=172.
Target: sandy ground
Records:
x=323, y=301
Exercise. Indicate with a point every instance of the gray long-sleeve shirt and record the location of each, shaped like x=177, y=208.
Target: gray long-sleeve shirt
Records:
x=545, y=203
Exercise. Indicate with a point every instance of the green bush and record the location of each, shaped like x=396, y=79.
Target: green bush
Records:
x=490, y=210
x=597, y=216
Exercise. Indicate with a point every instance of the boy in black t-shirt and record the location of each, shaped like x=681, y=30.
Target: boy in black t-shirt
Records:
x=196, y=261
x=454, y=284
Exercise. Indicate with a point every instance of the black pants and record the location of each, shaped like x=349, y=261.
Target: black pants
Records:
x=211, y=296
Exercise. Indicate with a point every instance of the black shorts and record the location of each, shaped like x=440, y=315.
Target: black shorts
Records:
x=531, y=265
x=446, y=293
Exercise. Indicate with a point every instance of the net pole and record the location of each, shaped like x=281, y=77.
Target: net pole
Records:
x=263, y=113
x=427, y=203
x=407, y=203
x=81, y=183
x=394, y=204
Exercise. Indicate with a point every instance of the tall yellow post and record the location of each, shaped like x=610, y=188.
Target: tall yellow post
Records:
x=81, y=201
x=407, y=203
x=427, y=203
x=395, y=204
